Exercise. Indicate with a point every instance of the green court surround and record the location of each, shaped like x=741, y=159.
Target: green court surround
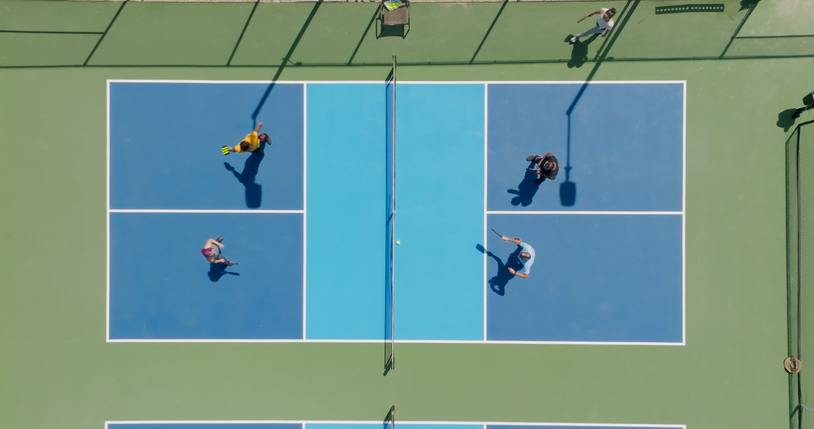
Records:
x=58, y=372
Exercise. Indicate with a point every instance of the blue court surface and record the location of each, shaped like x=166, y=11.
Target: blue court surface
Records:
x=620, y=146
x=369, y=425
x=165, y=289
x=166, y=139
x=305, y=219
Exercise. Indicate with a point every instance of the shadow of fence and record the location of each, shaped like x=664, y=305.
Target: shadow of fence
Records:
x=146, y=34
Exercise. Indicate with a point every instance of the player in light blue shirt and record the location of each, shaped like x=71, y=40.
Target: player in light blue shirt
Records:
x=526, y=258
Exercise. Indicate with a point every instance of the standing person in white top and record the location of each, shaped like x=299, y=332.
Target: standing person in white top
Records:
x=604, y=23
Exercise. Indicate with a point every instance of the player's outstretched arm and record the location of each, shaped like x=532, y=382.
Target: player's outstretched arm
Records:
x=259, y=125
x=513, y=240
x=521, y=275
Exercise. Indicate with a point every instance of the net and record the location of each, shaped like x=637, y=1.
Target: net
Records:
x=390, y=210
x=800, y=250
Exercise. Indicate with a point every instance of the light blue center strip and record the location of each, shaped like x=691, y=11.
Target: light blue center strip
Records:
x=345, y=211
x=439, y=212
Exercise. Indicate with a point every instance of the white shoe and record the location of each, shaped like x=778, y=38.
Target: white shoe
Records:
x=574, y=39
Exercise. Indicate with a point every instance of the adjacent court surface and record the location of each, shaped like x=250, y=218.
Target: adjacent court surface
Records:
x=305, y=219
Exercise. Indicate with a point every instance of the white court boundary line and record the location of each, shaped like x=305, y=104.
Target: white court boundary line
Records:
x=379, y=342
x=304, y=206
x=398, y=422
x=107, y=212
x=684, y=217
x=193, y=211
x=603, y=213
x=485, y=210
x=486, y=84
x=409, y=82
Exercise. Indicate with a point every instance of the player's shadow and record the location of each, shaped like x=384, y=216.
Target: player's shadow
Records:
x=579, y=51
x=526, y=189
x=216, y=271
x=501, y=279
x=254, y=192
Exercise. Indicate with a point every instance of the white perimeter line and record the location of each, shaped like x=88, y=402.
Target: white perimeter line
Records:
x=486, y=213
x=405, y=422
x=485, y=199
x=546, y=424
x=107, y=217
x=684, y=221
x=317, y=341
x=201, y=211
x=367, y=82
x=563, y=212
x=304, y=203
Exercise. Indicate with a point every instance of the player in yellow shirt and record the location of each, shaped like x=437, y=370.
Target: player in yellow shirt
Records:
x=252, y=141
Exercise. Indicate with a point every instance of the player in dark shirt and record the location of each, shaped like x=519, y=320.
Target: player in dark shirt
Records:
x=546, y=166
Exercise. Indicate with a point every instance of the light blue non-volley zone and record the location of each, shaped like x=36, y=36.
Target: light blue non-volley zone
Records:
x=439, y=204
x=346, y=212
x=327, y=277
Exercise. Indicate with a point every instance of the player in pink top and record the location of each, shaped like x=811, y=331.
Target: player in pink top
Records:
x=211, y=252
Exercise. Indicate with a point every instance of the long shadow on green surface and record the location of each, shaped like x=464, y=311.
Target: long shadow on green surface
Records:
x=486, y=36
x=579, y=52
x=364, y=34
x=678, y=52
x=102, y=37
x=285, y=61
x=242, y=33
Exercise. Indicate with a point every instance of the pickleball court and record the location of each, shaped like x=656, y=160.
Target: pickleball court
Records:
x=306, y=219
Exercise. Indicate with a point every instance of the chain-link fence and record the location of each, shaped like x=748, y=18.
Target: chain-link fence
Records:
x=800, y=224
x=301, y=34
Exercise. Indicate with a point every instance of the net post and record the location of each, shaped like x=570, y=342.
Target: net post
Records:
x=389, y=421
